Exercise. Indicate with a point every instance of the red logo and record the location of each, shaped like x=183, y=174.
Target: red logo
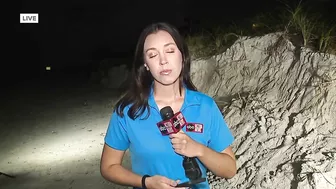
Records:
x=172, y=125
x=194, y=127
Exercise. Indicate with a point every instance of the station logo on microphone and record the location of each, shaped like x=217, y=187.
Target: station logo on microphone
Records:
x=194, y=127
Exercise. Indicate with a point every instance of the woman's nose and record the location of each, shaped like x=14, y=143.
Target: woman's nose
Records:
x=163, y=60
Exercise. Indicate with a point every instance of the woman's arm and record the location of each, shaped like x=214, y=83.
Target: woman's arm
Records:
x=221, y=164
x=112, y=170
x=218, y=156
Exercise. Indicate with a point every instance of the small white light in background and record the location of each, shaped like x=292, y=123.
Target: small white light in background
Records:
x=48, y=68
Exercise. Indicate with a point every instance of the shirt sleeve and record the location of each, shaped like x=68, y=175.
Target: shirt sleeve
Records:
x=116, y=136
x=220, y=134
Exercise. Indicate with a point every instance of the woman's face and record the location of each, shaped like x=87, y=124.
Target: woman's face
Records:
x=162, y=57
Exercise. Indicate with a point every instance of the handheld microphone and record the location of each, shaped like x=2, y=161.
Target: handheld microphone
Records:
x=175, y=123
x=172, y=123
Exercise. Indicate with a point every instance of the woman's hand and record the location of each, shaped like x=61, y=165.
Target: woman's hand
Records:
x=161, y=182
x=184, y=145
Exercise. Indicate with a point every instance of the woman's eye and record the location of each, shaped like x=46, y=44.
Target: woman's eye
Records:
x=170, y=51
x=152, y=56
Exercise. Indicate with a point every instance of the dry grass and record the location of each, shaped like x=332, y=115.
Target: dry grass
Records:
x=312, y=31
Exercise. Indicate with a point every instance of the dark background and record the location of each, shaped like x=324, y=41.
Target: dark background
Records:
x=73, y=36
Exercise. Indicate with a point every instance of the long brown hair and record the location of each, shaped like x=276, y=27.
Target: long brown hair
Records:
x=139, y=90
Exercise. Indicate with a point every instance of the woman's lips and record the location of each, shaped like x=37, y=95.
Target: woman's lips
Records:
x=165, y=72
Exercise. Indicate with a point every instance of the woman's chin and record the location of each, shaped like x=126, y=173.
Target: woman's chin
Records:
x=167, y=81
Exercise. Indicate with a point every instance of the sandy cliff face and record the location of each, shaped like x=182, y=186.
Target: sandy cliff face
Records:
x=280, y=103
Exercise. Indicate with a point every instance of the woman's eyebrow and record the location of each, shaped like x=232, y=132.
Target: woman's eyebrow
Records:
x=152, y=48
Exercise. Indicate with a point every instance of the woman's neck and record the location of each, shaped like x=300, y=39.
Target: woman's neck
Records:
x=168, y=93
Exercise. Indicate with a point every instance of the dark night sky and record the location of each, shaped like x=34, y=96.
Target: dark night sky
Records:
x=75, y=32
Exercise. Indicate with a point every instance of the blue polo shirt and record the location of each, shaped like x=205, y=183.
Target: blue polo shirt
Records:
x=153, y=154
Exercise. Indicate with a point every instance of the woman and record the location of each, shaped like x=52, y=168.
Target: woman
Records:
x=161, y=78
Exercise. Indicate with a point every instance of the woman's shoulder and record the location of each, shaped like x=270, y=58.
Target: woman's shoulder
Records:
x=202, y=97
x=121, y=111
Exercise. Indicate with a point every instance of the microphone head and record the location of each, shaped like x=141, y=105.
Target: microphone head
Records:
x=166, y=113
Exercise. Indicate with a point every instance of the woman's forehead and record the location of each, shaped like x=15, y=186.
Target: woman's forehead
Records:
x=160, y=38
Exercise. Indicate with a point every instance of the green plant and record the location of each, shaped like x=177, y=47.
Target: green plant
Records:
x=326, y=39
x=198, y=45
x=303, y=24
x=310, y=30
x=212, y=42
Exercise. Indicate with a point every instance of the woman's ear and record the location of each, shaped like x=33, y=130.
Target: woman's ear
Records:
x=146, y=67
